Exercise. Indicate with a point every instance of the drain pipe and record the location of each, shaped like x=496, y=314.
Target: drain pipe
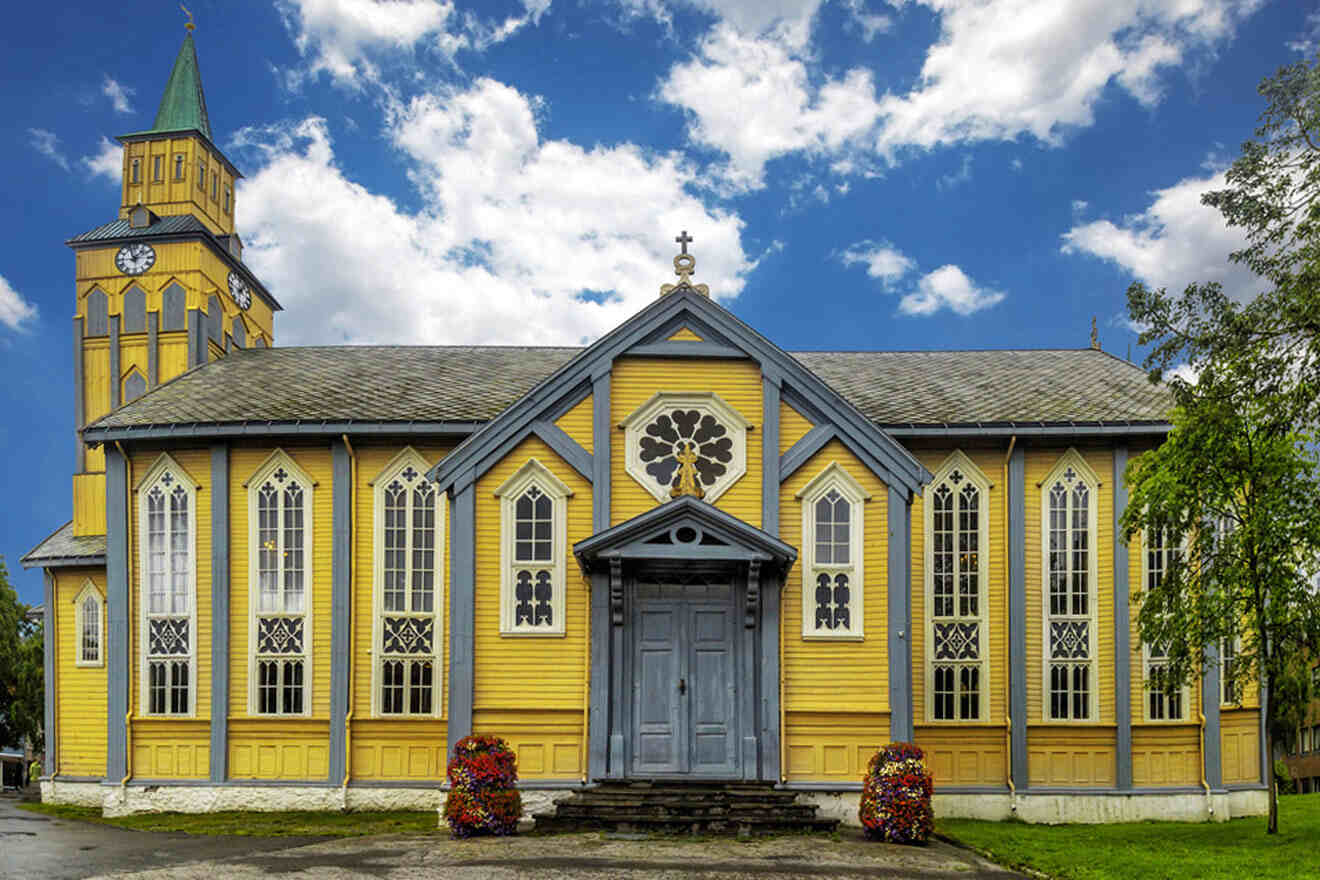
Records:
x=1209, y=801
x=128, y=564
x=352, y=610
x=1008, y=682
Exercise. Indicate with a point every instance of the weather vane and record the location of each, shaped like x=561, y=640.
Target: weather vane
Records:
x=189, y=24
x=684, y=266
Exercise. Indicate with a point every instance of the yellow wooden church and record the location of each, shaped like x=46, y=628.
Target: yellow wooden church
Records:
x=295, y=577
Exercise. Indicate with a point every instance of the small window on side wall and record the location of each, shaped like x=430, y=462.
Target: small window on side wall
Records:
x=135, y=171
x=157, y=168
x=833, y=528
x=89, y=626
x=178, y=166
x=533, y=535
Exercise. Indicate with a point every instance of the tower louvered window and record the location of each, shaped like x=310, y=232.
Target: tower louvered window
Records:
x=167, y=542
x=408, y=539
x=280, y=525
x=956, y=575
x=1069, y=523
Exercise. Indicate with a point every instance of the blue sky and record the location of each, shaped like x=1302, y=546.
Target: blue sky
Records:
x=856, y=173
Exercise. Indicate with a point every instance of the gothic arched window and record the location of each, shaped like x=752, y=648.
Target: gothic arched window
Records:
x=534, y=511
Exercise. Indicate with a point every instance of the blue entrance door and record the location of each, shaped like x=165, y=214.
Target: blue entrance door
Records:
x=685, y=719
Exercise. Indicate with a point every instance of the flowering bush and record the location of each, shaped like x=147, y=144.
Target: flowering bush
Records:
x=896, y=794
x=482, y=798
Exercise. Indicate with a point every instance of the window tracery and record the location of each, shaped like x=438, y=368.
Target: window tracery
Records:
x=167, y=548
x=832, y=535
x=533, y=537
x=1068, y=499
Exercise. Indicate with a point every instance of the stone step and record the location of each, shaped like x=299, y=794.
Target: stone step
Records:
x=550, y=822
x=683, y=802
x=796, y=811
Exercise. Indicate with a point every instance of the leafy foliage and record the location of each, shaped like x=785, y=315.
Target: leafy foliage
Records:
x=896, y=796
x=21, y=670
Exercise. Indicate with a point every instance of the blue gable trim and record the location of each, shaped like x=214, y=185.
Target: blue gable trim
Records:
x=628, y=540
x=880, y=451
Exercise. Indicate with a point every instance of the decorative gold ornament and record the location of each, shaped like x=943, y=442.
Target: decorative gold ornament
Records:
x=687, y=473
x=189, y=24
x=684, y=266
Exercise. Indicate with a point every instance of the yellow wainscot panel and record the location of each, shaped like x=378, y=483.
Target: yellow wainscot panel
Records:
x=1166, y=755
x=1065, y=755
x=826, y=746
x=399, y=749
x=965, y=755
x=278, y=748
x=1240, y=739
x=548, y=744
x=171, y=749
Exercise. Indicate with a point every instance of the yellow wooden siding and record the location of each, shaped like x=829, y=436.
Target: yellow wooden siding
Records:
x=548, y=743
x=1240, y=745
x=793, y=426
x=80, y=708
x=267, y=747
x=1039, y=462
x=833, y=746
x=960, y=755
x=283, y=748
x=824, y=675
x=170, y=196
x=408, y=749
x=685, y=333
x=371, y=460
x=529, y=673
x=578, y=424
x=1167, y=754
x=173, y=354
x=637, y=380
x=89, y=504
x=171, y=749
x=990, y=461
x=197, y=463
x=1071, y=755
x=96, y=381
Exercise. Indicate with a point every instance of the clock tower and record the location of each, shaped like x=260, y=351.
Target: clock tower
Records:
x=163, y=288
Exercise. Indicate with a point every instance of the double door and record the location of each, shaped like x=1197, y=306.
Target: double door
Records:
x=684, y=712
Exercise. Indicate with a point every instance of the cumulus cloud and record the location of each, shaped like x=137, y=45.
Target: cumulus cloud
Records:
x=869, y=23
x=16, y=313
x=1174, y=242
x=1308, y=41
x=883, y=261
x=118, y=94
x=520, y=239
x=48, y=144
x=107, y=161
x=751, y=98
x=948, y=287
x=789, y=20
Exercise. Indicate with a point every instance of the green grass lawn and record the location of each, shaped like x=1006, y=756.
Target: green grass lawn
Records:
x=290, y=824
x=1154, y=850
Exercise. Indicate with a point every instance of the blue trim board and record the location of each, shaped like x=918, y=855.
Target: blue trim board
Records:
x=1122, y=628
x=116, y=612
x=566, y=448
x=48, y=643
x=1017, y=612
x=602, y=434
x=598, y=718
x=114, y=362
x=801, y=452
x=770, y=463
x=462, y=580
x=900, y=618
x=341, y=557
x=219, y=610
x=1214, y=765
x=80, y=448
x=153, y=350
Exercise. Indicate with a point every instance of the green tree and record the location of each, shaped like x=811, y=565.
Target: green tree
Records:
x=21, y=670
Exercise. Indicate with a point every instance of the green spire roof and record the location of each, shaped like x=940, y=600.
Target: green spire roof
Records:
x=184, y=105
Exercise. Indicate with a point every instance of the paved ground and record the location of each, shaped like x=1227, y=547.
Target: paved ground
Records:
x=34, y=846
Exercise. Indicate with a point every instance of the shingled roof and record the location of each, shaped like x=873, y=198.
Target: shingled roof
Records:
x=472, y=384
x=63, y=547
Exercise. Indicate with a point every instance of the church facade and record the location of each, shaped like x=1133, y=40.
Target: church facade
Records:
x=294, y=578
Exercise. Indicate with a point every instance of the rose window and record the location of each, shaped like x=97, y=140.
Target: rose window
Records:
x=699, y=433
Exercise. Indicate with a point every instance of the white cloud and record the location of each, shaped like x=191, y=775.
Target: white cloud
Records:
x=15, y=312
x=869, y=23
x=1174, y=242
x=955, y=178
x=1309, y=40
x=520, y=239
x=118, y=95
x=338, y=36
x=948, y=287
x=788, y=20
x=107, y=161
x=48, y=144
x=751, y=99
x=882, y=260
x=1004, y=68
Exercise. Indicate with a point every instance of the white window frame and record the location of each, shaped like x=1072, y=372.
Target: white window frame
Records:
x=408, y=458
x=959, y=462
x=156, y=476
x=1085, y=475
x=706, y=403
x=834, y=477
x=279, y=459
x=1148, y=660
x=89, y=591
x=1223, y=679
x=532, y=473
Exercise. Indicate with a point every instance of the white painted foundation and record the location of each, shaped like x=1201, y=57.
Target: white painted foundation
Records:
x=79, y=794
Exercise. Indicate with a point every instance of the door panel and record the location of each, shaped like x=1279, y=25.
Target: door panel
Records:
x=659, y=742
x=713, y=697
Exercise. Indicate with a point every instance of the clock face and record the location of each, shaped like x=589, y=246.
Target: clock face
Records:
x=239, y=291
x=134, y=259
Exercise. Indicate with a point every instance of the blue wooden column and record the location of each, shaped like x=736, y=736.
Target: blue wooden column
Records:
x=1122, y=629
x=769, y=732
x=1017, y=613
x=1210, y=693
x=116, y=630
x=219, y=608
x=598, y=703
x=462, y=583
x=900, y=616
x=341, y=574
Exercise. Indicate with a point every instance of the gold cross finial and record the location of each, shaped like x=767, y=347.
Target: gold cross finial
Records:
x=687, y=473
x=189, y=24
x=684, y=266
